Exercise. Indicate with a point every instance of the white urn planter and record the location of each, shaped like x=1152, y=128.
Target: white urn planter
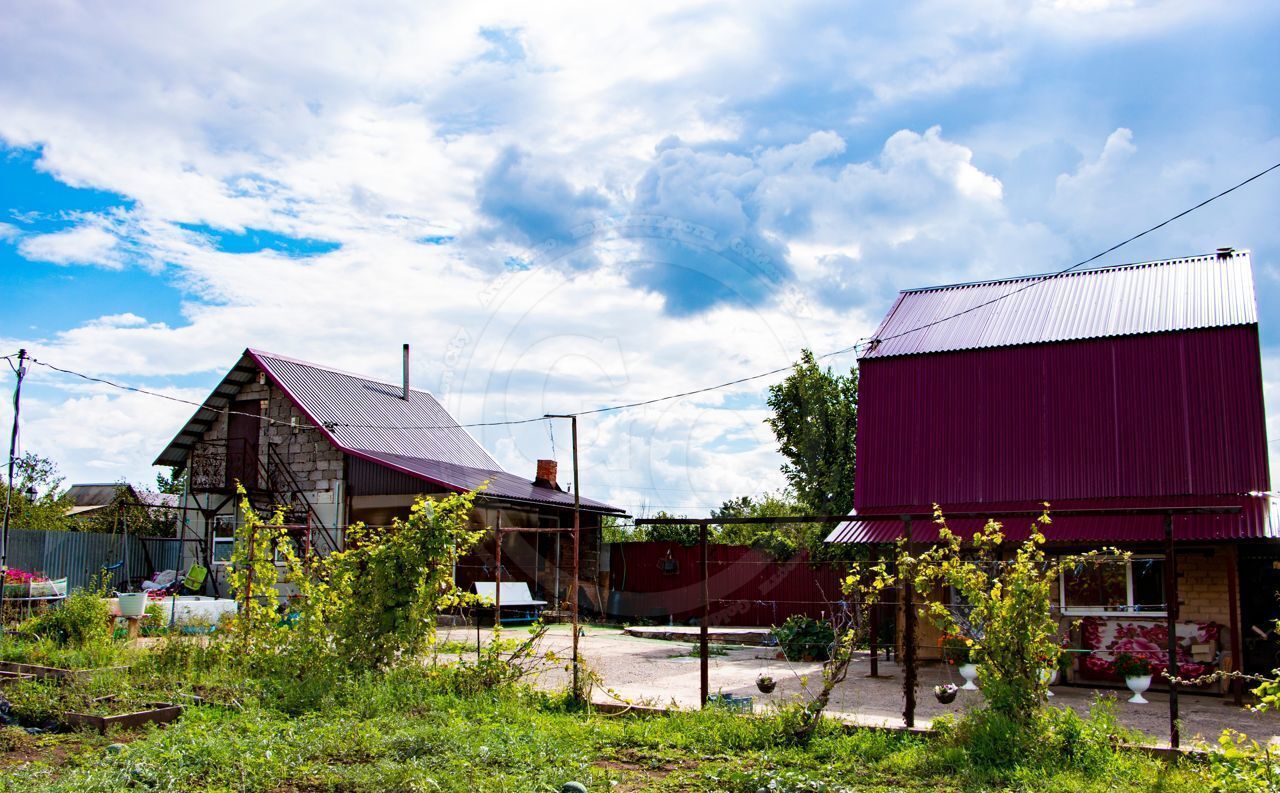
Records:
x=1048, y=677
x=1138, y=684
x=970, y=673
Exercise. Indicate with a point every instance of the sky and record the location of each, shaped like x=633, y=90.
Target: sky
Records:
x=571, y=206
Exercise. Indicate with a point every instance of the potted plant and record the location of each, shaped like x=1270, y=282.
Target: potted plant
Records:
x=766, y=684
x=958, y=652
x=1136, y=673
x=946, y=693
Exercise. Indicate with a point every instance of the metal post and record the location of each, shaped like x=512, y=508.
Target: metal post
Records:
x=497, y=594
x=909, y=635
x=1233, y=596
x=1171, y=622
x=577, y=540
x=21, y=372
x=704, y=676
x=873, y=618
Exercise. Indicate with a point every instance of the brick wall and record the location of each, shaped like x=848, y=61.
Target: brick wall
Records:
x=1203, y=596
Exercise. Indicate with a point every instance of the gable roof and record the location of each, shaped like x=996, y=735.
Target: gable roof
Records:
x=359, y=413
x=1215, y=290
x=88, y=497
x=368, y=418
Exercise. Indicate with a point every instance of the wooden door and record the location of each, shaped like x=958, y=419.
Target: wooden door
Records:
x=242, y=444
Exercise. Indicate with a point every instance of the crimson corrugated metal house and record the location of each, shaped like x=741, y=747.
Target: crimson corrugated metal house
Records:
x=335, y=448
x=1130, y=386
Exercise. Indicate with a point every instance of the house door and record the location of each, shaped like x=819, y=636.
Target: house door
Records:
x=242, y=444
x=1260, y=608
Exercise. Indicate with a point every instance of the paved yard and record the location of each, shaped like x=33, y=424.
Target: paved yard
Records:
x=665, y=673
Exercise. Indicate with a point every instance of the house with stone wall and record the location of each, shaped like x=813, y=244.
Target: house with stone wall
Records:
x=1129, y=399
x=332, y=448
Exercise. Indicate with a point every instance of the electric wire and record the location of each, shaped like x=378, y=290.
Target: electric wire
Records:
x=863, y=342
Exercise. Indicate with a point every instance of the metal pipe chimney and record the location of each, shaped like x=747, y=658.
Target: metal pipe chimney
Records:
x=405, y=395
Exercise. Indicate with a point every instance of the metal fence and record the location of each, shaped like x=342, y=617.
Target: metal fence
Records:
x=80, y=556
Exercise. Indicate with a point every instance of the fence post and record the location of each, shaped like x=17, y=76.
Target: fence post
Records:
x=909, y=634
x=703, y=666
x=1171, y=621
x=873, y=619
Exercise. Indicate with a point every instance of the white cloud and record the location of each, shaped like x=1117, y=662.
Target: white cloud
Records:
x=87, y=243
x=375, y=131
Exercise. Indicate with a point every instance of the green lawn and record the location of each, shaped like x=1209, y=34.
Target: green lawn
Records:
x=404, y=732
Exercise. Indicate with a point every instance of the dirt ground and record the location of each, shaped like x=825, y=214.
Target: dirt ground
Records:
x=665, y=673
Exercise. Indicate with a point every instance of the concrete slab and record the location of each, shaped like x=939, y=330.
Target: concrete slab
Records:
x=647, y=671
x=685, y=633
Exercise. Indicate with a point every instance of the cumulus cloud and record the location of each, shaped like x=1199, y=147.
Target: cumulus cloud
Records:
x=565, y=215
x=87, y=243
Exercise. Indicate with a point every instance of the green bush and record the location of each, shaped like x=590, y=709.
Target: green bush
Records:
x=84, y=619
x=803, y=638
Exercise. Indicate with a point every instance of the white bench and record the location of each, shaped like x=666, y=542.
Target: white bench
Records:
x=515, y=595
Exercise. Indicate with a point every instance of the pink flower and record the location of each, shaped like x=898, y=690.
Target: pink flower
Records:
x=1137, y=647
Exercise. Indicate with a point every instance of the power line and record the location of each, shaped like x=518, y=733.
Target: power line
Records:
x=863, y=342
x=1036, y=282
x=1041, y=279
x=327, y=425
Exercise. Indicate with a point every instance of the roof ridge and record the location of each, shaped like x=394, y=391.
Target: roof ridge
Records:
x=1067, y=274
x=334, y=370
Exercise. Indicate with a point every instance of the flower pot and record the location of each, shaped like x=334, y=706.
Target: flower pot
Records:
x=1138, y=684
x=132, y=604
x=970, y=673
x=946, y=693
x=766, y=684
x=1048, y=677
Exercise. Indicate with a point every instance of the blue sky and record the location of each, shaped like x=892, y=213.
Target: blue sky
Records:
x=565, y=208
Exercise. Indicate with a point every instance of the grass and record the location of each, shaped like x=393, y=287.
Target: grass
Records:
x=409, y=730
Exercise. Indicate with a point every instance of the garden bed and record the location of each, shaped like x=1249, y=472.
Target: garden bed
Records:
x=15, y=670
x=146, y=713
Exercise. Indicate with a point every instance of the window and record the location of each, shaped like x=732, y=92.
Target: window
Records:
x=1114, y=586
x=224, y=541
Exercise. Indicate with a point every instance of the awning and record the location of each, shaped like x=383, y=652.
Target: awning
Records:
x=1256, y=520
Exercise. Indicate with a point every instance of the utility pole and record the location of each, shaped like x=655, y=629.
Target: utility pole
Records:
x=21, y=372
x=577, y=534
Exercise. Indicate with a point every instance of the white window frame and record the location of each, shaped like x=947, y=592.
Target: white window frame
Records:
x=1127, y=611
x=220, y=521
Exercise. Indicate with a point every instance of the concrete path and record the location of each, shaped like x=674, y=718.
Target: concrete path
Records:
x=665, y=674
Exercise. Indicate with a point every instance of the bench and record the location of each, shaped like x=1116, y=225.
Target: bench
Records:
x=515, y=597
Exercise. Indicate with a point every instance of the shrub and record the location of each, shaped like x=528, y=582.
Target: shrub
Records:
x=803, y=638
x=84, y=619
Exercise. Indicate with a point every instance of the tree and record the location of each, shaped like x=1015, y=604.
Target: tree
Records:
x=815, y=419
x=37, y=503
x=683, y=533
x=174, y=484
x=779, y=540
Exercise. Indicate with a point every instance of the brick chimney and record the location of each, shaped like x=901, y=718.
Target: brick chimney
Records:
x=546, y=476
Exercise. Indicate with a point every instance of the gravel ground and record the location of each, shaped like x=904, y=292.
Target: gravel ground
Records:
x=665, y=673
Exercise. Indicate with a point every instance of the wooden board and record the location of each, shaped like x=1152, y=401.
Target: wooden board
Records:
x=54, y=672
x=157, y=712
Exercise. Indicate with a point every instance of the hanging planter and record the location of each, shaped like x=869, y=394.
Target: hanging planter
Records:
x=946, y=693
x=766, y=684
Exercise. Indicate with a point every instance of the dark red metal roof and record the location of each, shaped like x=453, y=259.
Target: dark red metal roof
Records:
x=1151, y=297
x=370, y=419
x=360, y=413
x=1258, y=518
x=1137, y=385
x=498, y=483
